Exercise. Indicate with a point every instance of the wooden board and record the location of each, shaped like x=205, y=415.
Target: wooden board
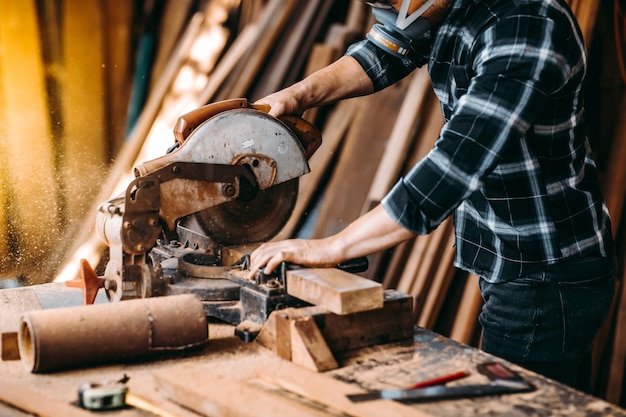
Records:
x=27, y=155
x=27, y=399
x=209, y=394
x=363, y=147
x=249, y=390
x=335, y=290
x=394, y=322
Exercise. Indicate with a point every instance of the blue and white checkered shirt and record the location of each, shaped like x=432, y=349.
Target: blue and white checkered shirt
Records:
x=512, y=161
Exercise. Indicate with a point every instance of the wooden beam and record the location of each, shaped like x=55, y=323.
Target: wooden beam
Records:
x=466, y=321
x=392, y=323
x=208, y=393
x=83, y=103
x=286, y=390
x=362, y=149
x=335, y=290
x=400, y=140
x=308, y=346
x=26, y=156
x=9, y=346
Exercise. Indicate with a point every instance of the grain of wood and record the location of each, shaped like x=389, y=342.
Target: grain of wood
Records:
x=308, y=347
x=335, y=290
x=84, y=112
x=466, y=320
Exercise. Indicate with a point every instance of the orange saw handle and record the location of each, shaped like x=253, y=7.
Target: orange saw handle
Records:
x=308, y=135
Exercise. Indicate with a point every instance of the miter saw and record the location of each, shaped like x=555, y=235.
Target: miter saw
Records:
x=229, y=182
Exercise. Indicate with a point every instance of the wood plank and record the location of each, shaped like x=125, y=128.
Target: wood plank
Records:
x=201, y=389
x=400, y=140
x=394, y=322
x=84, y=125
x=614, y=185
x=9, y=346
x=275, y=16
x=118, y=72
x=27, y=399
x=442, y=271
x=466, y=321
x=308, y=346
x=310, y=184
x=27, y=155
x=296, y=37
x=175, y=17
x=335, y=290
x=346, y=191
x=205, y=389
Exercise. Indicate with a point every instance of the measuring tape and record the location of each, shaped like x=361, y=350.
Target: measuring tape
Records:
x=103, y=395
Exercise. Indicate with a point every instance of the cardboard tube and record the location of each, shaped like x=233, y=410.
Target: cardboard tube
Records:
x=55, y=339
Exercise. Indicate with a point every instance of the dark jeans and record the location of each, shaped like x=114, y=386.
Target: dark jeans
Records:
x=547, y=321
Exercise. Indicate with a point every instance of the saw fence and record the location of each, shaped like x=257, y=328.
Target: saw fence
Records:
x=224, y=49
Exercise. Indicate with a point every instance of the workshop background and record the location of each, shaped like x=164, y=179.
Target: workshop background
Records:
x=89, y=88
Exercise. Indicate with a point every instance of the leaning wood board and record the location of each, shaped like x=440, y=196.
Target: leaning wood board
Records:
x=337, y=291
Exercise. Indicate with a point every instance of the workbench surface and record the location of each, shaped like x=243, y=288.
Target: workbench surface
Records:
x=250, y=377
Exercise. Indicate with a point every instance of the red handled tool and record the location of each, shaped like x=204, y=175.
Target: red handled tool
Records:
x=503, y=381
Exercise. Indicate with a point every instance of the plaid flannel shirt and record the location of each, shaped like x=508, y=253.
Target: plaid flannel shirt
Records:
x=512, y=161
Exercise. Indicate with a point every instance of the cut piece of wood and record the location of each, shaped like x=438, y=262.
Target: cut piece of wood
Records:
x=9, y=347
x=283, y=334
x=201, y=389
x=394, y=322
x=308, y=346
x=335, y=290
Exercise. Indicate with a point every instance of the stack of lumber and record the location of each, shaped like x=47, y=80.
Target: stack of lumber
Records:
x=250, y=48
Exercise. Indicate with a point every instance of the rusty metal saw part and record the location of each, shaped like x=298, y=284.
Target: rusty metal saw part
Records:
x=249, y=220
x=234, y=171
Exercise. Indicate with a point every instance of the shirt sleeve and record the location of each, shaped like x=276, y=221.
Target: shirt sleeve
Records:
x=383, y=68
x=515, y=65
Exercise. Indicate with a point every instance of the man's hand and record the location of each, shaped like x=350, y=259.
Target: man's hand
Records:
x=311, y=253
x=370, y=233
x=283, y=102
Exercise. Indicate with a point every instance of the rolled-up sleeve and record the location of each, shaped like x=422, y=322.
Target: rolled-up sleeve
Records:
x=383, y=68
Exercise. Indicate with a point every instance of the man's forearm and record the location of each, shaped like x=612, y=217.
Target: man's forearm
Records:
x=373, y=232
x=345, y=78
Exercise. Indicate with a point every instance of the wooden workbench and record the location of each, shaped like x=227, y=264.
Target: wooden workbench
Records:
x=252, y=379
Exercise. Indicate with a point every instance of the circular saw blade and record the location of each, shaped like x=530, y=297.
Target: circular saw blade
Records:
x=252, y=220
